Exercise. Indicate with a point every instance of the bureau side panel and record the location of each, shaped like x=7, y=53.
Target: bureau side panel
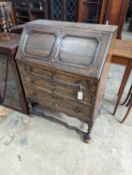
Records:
x=102, y=82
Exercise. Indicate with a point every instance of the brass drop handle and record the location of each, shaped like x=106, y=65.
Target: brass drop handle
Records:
x=55, y=104
x=80, y=92
x=53, y=77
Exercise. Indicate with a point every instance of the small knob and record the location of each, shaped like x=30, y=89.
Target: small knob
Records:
x=78, y=109
x=53, y=77
x=55, y=104
x=53, y=93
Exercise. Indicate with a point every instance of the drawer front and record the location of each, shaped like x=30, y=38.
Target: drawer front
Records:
x=64, y=85
x=53, y=101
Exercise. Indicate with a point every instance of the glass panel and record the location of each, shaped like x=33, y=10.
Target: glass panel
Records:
x=21, y=4
x=8, y=84
x=71, y=10
x=64, y=10
x=78, y=51
x=58, y=10
x=92, y=10
x=40, y=45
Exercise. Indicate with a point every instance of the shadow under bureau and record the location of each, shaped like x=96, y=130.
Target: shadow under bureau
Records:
x=64, y=66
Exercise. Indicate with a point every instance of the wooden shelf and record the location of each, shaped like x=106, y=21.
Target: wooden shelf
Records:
x=20, y=16
x=21, y=9
x=95, y=3
x=88, y=11
x=37, y=11
x=29, y=11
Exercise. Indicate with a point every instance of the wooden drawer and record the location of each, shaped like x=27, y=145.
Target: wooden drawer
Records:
x=62, y=84
x=56, y=102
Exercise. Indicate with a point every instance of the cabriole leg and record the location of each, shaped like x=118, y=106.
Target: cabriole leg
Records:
x=87, y=135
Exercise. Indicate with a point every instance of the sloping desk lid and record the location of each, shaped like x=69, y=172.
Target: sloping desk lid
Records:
x=72, y=47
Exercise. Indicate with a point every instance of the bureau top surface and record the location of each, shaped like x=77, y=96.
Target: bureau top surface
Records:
x=9, y=40
x=72, y=47
x=97, y=27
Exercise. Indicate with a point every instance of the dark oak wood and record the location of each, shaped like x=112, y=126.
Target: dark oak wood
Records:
x=115, y=14
x=123, y=84
x=112, y=12
x=91, y=11
x=63, y=66
x=122, y=54
x=10, y=83
x=28, y=10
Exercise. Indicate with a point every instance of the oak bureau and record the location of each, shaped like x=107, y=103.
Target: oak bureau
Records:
x=64, y=66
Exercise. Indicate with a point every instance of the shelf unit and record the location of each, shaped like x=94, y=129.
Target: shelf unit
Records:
x=115, y=14
x=90, y=10
x=28, y=10
x=64, y=10
x=21, y=9
x=38, y=9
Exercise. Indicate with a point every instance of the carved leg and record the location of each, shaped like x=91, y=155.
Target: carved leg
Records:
x=128, y=96
x=122, y=81
x=30, y=107
x=123, y=84
x=128, y=103
x=87, y=135
x=128, y=111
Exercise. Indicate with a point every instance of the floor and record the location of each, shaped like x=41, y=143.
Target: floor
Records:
x=38, y=146
x=125, y=34
x=35, y=146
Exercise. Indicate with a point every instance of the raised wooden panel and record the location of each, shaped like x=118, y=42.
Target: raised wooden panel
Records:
x=68, y=47
x=39, y=45
x=73, y=47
